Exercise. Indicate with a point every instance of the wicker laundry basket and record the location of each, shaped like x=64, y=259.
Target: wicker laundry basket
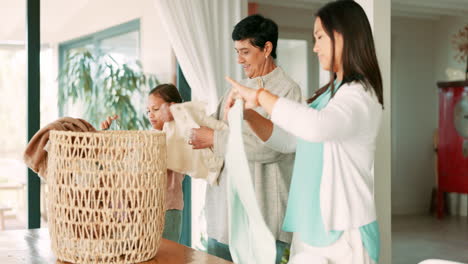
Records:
x=106, y=195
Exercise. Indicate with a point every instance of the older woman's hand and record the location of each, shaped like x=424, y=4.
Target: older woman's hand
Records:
x=249, y=95
x=201, y=138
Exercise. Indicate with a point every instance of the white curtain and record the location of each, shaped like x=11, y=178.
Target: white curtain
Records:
x=200, y=34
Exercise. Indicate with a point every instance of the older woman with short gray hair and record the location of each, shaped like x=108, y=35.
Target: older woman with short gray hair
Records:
x=255, y=41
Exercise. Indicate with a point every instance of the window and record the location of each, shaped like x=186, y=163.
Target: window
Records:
x=120, y=43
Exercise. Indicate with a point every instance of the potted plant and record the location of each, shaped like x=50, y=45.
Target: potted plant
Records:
x=460, y=43
x=104, y=87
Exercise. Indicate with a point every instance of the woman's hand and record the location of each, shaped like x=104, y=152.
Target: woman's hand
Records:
x=253, y=97
x=165, y=113
x=249, y=95
x=230, y=102
x=201, y=138
x=108, y=122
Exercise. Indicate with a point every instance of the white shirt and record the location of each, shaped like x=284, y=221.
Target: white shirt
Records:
x=348, y=127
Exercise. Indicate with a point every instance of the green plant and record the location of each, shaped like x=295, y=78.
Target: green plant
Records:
x=286, y=255
x=104, y=87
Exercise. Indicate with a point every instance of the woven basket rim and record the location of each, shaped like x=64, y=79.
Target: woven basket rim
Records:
x=110, y=133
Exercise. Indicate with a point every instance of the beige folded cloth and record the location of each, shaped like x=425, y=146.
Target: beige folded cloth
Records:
x=181, y=157
x=35, y=156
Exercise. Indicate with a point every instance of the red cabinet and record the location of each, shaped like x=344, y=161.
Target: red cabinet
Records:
x=453, y=140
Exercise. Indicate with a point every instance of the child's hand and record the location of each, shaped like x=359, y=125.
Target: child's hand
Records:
x=108, y=122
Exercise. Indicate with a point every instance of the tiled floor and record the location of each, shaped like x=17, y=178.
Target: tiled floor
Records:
x=417, y=238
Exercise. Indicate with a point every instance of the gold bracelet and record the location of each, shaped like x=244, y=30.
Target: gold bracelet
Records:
x=257, y=94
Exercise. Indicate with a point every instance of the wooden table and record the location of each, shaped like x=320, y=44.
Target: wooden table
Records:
x=33, y=247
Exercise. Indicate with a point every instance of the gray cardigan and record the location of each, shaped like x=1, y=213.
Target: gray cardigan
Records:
x=271, y=170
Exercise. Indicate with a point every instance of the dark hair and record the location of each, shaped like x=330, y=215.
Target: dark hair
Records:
x=359, y=59
x=168, y=92
x=258, y=30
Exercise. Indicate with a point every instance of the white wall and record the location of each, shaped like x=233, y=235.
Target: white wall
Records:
x=414, y=114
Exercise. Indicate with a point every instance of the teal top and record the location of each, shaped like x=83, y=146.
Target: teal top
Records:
x=305, y=218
